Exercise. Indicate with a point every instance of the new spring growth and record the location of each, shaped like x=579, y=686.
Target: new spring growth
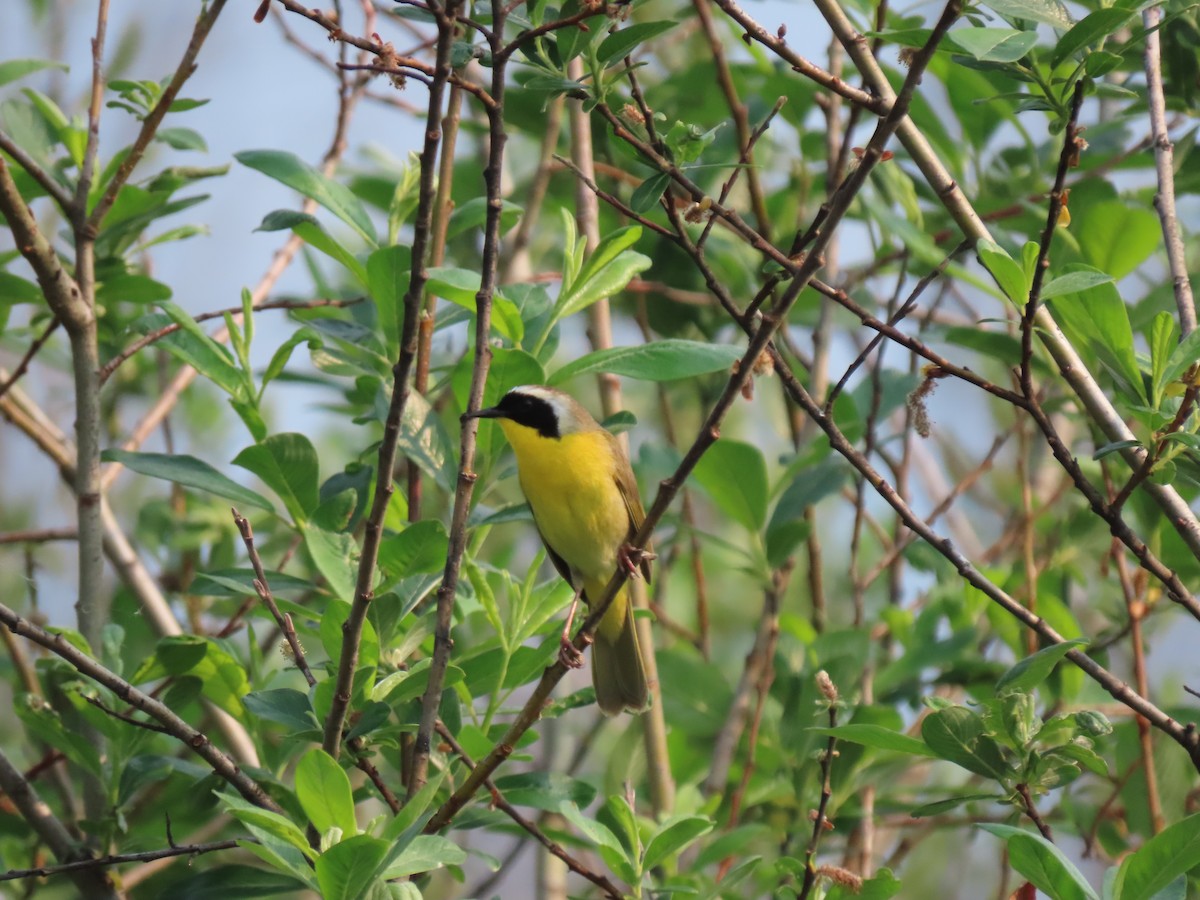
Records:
x=826, y=686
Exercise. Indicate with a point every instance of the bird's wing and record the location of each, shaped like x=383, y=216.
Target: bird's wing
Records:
x=559, y=563
x=627, y=485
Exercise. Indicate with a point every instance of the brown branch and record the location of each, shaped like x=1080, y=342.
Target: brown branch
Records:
x=575, y=865
x=493, y=175
x=1164, y=166
x=103, y=862
x=1031, y=811
x=159, y=333
x=39, y=535
x=124, y=717
x=47, y=181
x=199, y=743
x=264, y=594
x=820, y=822
x=23, y=365
x=47, y=827
x=187, y=65
x=373, y=528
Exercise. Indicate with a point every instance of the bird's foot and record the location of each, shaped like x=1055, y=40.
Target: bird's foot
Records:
x=569, y=655
x=631, y=558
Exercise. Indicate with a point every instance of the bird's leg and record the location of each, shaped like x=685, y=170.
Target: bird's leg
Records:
x=568, y=655
x=632, y=557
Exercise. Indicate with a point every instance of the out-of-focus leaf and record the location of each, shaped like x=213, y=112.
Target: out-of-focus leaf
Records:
x=300, y=176
x=287, y=463
x=735, y=475
x=1046, y=867
x=324, y=792
x=665, y=360
x=189, y=472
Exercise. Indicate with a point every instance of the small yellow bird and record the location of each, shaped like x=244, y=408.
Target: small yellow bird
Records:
x=585, y=503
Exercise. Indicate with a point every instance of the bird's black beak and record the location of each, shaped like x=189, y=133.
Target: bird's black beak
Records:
x=492, y=412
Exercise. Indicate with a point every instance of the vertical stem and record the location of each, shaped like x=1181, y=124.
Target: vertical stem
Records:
x=442, y=641
x=587, y=214
x=1164, y=163
x=373, y=533
x=442, y=208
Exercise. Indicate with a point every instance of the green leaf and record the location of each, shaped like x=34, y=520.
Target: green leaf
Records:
x=294, y=172
x=460, y=286
x=324, y=792
x=545, y=790
x=672, y=836
x=1009, y=275
x=232, y=880
x=956, y=734
x=1089, y=29
x=182, y=139
x=189, y=472
x=1171, y=853
x=264, y=821
x=994, y=44
x=606, y=254
x=388, y=273
x=645, y=196
x=333, y=556
x=1044, y=865
x=878, y=737
x=1048, y=12
x=197, y=349
x=1164, y=337
x=309, y=230
x=347, y=869
x=424, y=441
x=735, y=476
x=286, y=706
x=287, y=463
x=1033, y=670
x=1182, y=358
x=1074, y=282
x=14, y=289
x=942, y=806
x=1117, y=238
x=1099, y=317
x=222, y=677
x=1104, y=451
x=14, y=69
x=618, y=45
x=425, y=853
x=473, y=214
x=665, y=360
x=419, y=549
x=131, y=289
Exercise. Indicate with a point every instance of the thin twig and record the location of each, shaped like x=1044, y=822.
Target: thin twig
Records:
x=498, y=800
x=221, y=764
x=1031, y=810
x=1164, y=166
x=104, y=862
x=159, y=333
x=45, y=824
x=482, y=357
x=820, y=821
x=23, y=365
x=39, y=535
x=268, y=599
x=187, y=65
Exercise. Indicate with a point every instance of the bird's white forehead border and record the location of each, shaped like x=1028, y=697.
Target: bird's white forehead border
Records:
x=563, y=413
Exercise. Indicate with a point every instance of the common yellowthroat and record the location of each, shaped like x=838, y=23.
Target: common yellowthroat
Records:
x=585, y=503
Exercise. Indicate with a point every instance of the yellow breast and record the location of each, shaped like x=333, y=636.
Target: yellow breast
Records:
x=571, y=487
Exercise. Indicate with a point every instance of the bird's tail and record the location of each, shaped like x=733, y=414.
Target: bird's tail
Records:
x=617, y=669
